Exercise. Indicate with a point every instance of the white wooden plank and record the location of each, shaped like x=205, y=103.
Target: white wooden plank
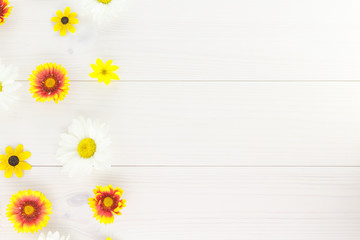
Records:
x=195, y=39
x=203, y=203
x=232, y=123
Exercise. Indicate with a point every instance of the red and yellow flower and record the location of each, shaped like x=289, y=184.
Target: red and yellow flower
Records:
x=49, y=82
x=107, y=203
x=29, y=211
x=5, y=10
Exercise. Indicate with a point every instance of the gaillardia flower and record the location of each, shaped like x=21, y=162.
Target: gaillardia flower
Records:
x=53, y=236
x=102, y=11
x=8, y=86
x=14, y=161
x=29, y=211
x=107, y=203
x=65, y=21
x=104, y=72
x=84, y=147
x=5, y=10
x=49, y=82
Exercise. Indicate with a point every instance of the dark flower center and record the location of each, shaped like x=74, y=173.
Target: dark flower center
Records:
x=13, y=161
x=64, y=20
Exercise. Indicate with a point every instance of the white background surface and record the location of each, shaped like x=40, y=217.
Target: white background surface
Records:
x=232, y=120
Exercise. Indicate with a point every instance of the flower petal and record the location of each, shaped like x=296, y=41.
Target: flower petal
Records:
x=23, y=156
x=59, y=13
x=108, y=63
x=70, y=28
x=19, y=149
x=57, y=26
x=72, y=15
x=9, y=171
x=9, y=151
x=73, y=20
x=99, y=63
x=113, y=68
x=55, y=19
x=25, y=165
x=93, y=75
x=3, y=166
x=114, y=76
x=18, y=171
x=63, y=30
x=67, y=11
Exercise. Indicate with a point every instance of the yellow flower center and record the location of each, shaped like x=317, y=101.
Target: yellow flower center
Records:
x=28, y=210
x=86, y=148
x=1, y=87
x=108, y=202
x=104, y=1
x=50, y=82
x=104, y=72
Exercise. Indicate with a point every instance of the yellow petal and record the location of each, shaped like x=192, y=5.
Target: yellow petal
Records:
x=3, y=158
x=18, y=171
x=70, y=28
x=73, y=20
x=94, y=67
x=93, y=75
x=108, y=63
x=72, y=15
x=9, y=151
x=57, y=26
x=59, y=14
x=113, y=68
x=99, y=63
x=107, y=81
x=55, y=19
x=25, y=155
x=25, y=165
x=114, y=76
x=63, y=30
x=9, y=171
x=3, y=166
x=67, y=11
x=19, y=149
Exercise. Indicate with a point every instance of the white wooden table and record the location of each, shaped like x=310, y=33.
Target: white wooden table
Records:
x=235, y=119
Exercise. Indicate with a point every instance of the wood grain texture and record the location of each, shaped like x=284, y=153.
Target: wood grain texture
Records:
x=194, y=40
x=202, y=203
x=158, y=123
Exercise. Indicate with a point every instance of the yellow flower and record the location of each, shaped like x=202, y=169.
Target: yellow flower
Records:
x=29, y=211
x=14, y=160
x=106, y=203
x=104, y=72
x=108, y=238
x=65, y=21
x=49, y=82
x=5, y=10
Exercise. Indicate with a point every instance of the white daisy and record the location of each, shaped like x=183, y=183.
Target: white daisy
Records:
x=84, y=147
x=8, y=86
x=102, y=11
x=53, y=236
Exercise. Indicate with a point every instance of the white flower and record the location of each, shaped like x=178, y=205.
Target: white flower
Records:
x=8, y=86
x=84, y=147
x=102, y=11
x=53, y=236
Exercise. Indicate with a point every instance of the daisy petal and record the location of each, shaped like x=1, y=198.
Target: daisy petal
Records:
x=3, y=166
x=94, y=75
x=113, y=68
